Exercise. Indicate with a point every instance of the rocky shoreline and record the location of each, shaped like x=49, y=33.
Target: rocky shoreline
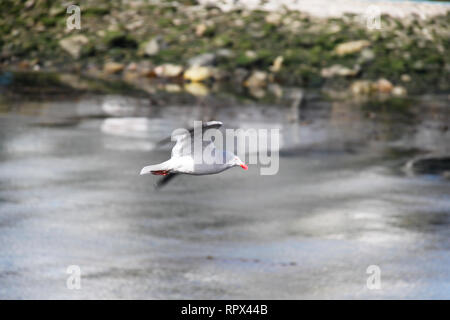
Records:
x=189, y=47
x=337, y=8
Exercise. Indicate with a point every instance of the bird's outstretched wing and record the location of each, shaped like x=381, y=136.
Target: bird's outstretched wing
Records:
x=205, y=126
x=185, y=139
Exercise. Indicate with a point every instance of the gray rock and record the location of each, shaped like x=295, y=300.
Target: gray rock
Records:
x=339, y=70
x=429, y=164
x=351, y=47
x=205, y=59
x=152, y=47
x=74, y=44
x=257, y=79
x=239, y=75
x=367, y=55
x=225, y=53
x=113, y=67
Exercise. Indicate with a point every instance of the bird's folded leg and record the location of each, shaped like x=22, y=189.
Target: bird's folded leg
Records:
x=160, y=172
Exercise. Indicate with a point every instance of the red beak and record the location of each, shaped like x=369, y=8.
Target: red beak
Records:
x=244, y=166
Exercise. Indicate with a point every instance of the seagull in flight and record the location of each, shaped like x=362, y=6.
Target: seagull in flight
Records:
x=184, y=159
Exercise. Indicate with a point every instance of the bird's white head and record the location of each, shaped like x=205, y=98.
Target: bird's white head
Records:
x=235, y=161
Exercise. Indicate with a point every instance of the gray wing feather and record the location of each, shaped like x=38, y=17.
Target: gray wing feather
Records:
x=185, y=140
x=205, y=126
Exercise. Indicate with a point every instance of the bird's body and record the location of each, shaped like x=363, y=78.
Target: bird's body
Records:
x=185, y=161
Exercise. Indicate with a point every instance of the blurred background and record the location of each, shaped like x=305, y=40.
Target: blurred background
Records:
x=359, y=90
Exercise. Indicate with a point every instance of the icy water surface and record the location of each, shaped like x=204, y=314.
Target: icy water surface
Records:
x=70, y=194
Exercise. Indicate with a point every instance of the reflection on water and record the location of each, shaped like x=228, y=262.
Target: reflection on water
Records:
x=70, y=194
